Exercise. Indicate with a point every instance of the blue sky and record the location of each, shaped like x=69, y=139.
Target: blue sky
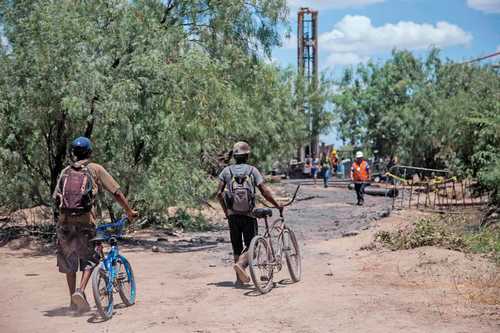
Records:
x=353, y=31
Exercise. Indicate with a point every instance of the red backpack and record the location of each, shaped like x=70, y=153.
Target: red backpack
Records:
x=76, y=193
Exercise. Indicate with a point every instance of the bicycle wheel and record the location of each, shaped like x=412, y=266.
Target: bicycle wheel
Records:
x=260, y=264
x=102, y=289
x=292, y=254
x=125, y=281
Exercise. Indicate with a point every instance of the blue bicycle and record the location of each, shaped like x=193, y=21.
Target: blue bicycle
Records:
x=114, y=273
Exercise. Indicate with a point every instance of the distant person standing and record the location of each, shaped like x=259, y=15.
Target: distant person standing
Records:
x=360, y=175
x=325, y=169
x=334, y=161
x=315, y=168
x=307, y=167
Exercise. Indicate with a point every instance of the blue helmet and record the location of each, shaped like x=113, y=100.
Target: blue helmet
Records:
x=81, y=144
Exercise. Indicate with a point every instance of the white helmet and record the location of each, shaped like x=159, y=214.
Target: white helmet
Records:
x=359, y=154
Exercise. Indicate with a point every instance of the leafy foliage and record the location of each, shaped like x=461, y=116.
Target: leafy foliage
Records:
x=424, y=232
x=486, y=241
x=428, y=112
x=160, y=87
x=455, y=232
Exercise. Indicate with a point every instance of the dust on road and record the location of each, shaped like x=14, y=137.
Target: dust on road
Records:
x=188, y=285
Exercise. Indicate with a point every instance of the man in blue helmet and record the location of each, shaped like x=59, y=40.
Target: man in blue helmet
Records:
x=74, y=195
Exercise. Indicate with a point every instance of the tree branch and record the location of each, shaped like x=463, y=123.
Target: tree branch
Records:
x=90, y=122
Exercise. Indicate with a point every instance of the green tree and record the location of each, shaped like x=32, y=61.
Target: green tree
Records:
x=430, y=113
x=159, y=86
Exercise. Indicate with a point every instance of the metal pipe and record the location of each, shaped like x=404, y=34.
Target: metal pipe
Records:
x=417, y=168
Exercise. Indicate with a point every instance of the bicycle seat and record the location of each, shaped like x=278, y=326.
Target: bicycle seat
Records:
x=261, y=213
x=100, y=237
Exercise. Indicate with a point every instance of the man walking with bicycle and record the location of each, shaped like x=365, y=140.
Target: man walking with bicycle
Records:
x=74, y=195
x=236, y=194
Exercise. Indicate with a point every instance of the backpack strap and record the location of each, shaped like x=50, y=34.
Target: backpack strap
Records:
x=230, y=185
x=252, y=168
x=58, y=184
x=247, y=172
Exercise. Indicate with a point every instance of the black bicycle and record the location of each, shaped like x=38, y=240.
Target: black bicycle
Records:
x=266, y=252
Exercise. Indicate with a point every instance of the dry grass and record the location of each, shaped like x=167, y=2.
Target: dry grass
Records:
x=475, y=281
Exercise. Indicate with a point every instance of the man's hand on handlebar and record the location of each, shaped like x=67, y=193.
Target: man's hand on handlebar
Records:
x=132, y=214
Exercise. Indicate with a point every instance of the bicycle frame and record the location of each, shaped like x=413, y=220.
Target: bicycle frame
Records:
x=109, y=260
x=114, y=273
x=278, y=224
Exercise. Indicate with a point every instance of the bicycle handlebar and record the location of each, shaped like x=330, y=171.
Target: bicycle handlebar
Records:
x=293, y=198
x=288, y=203
x=117, y=225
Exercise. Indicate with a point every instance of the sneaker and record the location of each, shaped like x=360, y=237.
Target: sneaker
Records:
x=242, y=275
x=79, y=299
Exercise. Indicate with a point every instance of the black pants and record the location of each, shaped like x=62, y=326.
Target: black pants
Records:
x=360, y=190
x=242, y=229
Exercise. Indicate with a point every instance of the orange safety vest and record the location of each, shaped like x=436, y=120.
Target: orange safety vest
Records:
x=360, y=171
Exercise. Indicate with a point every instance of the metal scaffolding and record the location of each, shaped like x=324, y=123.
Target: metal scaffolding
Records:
x=307, y=63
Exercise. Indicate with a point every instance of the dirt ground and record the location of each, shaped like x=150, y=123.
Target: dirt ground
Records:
x=187, y=286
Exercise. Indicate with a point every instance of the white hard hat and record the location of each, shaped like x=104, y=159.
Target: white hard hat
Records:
x=359, y=154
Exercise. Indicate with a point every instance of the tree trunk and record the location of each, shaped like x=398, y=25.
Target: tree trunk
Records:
x=90, y=122
x=59, y=155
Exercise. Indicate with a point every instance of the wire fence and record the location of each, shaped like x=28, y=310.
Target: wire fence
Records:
x=437, y=194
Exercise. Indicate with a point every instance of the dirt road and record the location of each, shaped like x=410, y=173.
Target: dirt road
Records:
x=188, y=286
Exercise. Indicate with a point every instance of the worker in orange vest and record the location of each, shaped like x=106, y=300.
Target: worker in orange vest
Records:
x=360, y=176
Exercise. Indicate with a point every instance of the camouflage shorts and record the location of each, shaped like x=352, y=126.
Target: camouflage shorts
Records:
x=74, y=248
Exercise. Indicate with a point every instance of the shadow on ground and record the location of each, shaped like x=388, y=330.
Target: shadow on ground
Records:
x=230, y=284
x=63, y=311
x=30, y=249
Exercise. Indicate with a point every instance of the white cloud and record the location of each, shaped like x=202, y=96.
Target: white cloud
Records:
x=354, y=38
x=498, y=48
x=487, y=6
x=348, y=58
x=271, y=61
x=330, y=4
